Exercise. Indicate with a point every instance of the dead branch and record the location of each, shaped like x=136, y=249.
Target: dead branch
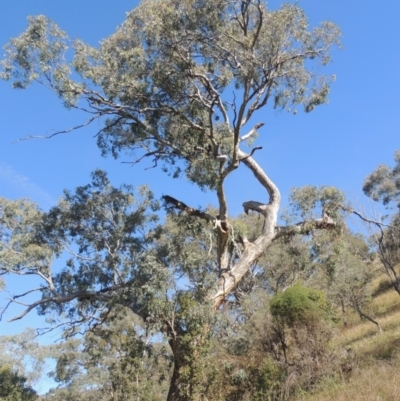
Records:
x=175, y=203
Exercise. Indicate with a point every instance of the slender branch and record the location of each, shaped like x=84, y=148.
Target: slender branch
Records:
x=252, y=151
x=259, y=26
x=88, y=122
x=376, y=223
x=12, y=300
x=251, y=132
x=210, y=88
x=59, y=300
x=101, y=295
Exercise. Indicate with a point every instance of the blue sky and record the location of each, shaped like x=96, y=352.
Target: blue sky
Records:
x=338, y=144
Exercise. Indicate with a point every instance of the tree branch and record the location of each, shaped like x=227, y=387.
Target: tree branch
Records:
x=251, y=132
x=175, y=203
x=305, y=227
x=100, y=295
x=264, y=180
x=376, y=223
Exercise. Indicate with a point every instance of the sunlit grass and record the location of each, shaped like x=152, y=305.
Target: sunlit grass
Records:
x=379, y=381
x=377, y=374
x=365, y=332
x=386, y=302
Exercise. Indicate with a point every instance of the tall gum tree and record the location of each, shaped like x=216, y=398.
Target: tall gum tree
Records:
x=183, y=82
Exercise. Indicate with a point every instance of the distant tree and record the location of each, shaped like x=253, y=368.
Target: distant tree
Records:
x=25, y=355
x=13, y=387
x=113, y=362
x=345, y=272
x=180, y=82
x=383, y=185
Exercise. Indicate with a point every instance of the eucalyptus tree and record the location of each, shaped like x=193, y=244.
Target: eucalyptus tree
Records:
x=25, y=355
x=13, y=387
x=383, y=185
x=184, y=84
x=115, y=361
x=345, y=272
x=111, y=252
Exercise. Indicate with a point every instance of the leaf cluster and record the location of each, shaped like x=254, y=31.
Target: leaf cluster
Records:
x=383, y=184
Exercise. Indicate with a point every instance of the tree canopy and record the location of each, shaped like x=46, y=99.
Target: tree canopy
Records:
x=13, y=387
x=182, y=83
x=383, y=184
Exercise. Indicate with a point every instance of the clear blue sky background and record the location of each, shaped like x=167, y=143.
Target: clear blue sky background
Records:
x=338, y=144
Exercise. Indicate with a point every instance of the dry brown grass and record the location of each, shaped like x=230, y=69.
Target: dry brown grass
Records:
x=378, y=382
x=377, y=377
x=387, y=302
x=364, y=336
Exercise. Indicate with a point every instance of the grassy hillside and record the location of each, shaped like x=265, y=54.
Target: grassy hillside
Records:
x=376, y=375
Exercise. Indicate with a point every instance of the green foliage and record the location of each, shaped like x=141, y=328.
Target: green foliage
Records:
x=273, y=357
x=101, y=228
x=18, y=249
x=25, y=355
x=299, y=337
x=383, y=184
x=256, y=380
x=300, y=304
x=310, y=199
x=193, y=320
x=267, y=381
x=116, y=360
x=13, y=387
x=287, y=261
x=161, y=77
x=387, y=245
x=162, y=80
x=345, y=271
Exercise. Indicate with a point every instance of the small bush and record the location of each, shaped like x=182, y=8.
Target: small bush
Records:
x=299, y=337
x=301, y=304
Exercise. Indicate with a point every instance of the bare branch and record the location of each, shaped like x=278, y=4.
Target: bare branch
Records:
x=264, y=180
x=251, y=132
x=254, y=206
x=12, y=300
x=88, y=122
x=376, y=223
